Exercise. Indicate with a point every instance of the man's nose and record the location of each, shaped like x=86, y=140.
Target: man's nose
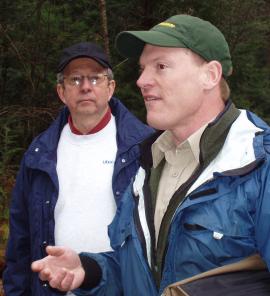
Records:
x=86, y=84
x=144, y=80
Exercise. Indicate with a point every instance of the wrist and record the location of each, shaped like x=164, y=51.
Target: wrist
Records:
x=91, y=272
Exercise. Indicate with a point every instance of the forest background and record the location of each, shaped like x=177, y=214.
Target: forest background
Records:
x=33, y=33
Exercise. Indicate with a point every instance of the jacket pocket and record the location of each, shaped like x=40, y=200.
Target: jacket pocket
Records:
x=218, y=229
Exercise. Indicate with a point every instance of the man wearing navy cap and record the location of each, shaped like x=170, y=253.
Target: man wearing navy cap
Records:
x=73, y=174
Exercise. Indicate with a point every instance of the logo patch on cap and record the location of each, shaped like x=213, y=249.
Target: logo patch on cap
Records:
x=165, y=24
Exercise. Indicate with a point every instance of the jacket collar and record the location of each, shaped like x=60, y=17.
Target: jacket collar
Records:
x=213, y=137
x=211, y=141
x=241, y=152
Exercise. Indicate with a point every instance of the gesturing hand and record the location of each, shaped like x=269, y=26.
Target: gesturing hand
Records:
x=61, y=268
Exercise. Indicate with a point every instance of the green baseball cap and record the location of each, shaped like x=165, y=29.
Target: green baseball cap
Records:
x=184, y=31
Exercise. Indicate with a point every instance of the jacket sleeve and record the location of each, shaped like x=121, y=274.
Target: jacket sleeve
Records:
x=109, y=283
x=16, y=276
x=262, y=217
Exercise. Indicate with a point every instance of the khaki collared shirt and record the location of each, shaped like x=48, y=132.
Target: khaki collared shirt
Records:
x=180, y=163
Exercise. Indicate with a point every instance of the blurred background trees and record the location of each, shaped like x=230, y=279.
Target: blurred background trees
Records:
x=33, y=33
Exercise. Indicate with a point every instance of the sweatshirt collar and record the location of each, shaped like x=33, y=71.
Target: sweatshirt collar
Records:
x=102, y=123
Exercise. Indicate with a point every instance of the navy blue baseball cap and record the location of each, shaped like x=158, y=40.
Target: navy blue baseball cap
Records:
x=83, y=49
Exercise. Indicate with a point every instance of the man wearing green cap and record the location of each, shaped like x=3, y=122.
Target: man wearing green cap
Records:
x=200, y=200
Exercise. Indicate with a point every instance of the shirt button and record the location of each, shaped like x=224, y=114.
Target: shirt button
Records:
x=47, y=202
x=117, y=193
x=175, y=174
x=123, y=160
x=37, y=149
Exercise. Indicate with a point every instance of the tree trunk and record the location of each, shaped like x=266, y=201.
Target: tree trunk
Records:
x=104, y=25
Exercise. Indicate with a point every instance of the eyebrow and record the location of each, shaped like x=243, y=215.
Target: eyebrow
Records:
x=159, y=58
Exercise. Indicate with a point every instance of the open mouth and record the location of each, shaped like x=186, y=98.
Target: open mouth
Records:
x=150, y=98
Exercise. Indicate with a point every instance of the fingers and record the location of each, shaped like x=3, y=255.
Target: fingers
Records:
x=63, y=280
x=58, y=278
x=55, y=251
x=45, y=275
x=58, y=267
x=67, y=282
x=37, y=266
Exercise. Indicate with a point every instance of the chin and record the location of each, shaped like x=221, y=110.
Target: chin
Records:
x=156, y=123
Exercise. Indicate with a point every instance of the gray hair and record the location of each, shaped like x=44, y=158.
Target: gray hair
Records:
x=110, y=74
x=60, y=78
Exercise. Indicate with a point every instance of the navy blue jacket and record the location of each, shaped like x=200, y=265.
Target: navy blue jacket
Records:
x=36, y=191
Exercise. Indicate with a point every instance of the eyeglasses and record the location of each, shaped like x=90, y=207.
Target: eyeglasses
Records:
x=78, y=80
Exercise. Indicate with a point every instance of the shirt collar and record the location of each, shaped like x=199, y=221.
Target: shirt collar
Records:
x=165, y=143
x=102, y=123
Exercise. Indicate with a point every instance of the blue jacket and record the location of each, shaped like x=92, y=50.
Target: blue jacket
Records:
x=36, y=191
x=223, y=218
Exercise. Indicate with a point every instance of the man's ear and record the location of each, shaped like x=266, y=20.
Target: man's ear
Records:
x=60, y=91
x=212, y=74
